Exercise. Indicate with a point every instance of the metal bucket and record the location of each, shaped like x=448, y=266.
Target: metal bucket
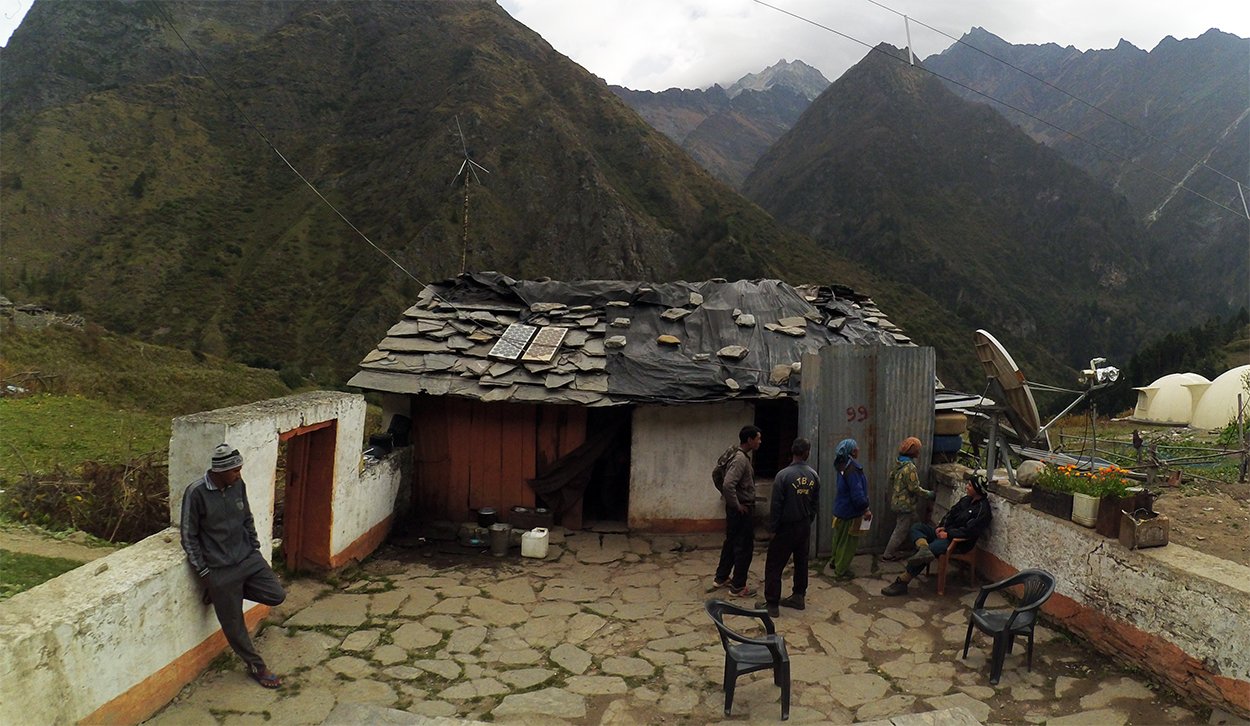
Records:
x=500, y=536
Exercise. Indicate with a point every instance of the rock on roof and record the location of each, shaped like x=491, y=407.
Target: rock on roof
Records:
x=606, y=342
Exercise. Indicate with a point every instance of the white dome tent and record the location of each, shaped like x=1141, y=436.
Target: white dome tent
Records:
x=1170, y=399
x=1218, y=403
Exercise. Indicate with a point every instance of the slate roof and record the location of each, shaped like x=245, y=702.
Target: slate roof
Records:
x=623, y=342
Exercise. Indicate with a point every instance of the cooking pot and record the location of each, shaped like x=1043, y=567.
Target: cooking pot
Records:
x=486, y=516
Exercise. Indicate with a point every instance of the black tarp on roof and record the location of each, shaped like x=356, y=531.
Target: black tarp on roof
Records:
x=462, y=317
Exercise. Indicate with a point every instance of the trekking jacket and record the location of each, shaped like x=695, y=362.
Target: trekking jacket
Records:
x=739, y=486
x=905, y=489
x=796, y=490
x=968, y=519
x=851, y=497
x=217, y=526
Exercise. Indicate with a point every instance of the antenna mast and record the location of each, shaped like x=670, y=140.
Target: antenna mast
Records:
x=472, y=166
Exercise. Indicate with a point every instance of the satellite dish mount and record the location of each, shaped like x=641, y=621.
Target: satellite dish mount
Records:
x=1008, y=385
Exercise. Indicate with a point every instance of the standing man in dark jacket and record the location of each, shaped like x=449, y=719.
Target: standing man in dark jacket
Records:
x=738, y=491
x=220, y=540
x=796, y=490
x=967, y=520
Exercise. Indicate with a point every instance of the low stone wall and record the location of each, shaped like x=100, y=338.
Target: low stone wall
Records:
x=1179, y=614
x=109, y=642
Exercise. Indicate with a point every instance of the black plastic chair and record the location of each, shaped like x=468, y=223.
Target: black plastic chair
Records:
x=751, y=654
x=1005, y=625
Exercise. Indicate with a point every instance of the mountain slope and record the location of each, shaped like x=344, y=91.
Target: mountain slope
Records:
x=1179, y=113
x=140, y=194
x=727, y=130
x=890, y=168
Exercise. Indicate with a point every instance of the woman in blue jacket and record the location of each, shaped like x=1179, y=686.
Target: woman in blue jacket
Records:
x=850, y=508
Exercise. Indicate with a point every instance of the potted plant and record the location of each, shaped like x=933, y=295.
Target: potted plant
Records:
x=1115, y=495
x=1085, y=500
x=1052, y=493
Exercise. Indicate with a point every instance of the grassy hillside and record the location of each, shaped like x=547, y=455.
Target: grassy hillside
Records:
x=92, y=395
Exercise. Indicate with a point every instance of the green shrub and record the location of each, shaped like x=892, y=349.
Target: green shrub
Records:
x=119, y=502
x=1228, y=435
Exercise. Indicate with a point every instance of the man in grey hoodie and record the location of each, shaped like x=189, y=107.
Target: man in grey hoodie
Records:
x=219, y=537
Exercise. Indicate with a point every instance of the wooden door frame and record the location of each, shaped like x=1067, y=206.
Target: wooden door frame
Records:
x=308, y=509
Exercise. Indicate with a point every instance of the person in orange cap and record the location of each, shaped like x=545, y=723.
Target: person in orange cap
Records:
x=907, y=497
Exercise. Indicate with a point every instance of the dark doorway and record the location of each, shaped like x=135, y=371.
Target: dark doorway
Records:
x=306, y=513
x=779, y=422
x=607, y=493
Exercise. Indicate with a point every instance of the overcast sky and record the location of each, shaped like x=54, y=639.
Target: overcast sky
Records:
x=659, y=44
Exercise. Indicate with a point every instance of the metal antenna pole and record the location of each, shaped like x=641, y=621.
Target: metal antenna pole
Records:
x=464, y=249
x=910, y=54
x=468, y=167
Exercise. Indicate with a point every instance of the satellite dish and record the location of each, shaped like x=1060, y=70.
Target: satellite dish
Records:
x=1001, y=368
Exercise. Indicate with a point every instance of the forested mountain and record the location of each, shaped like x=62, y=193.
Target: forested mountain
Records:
x=1162, y=256
x=1179, y=113
x=139, y=187
x=892, y=169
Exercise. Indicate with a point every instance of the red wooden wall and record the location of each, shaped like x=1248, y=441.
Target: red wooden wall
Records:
x=470, y=454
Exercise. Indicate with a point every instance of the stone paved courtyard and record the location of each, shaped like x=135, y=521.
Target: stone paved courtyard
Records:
x=611, y=629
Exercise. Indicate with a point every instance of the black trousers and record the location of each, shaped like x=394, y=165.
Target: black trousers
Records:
x=739, y=545
x=791, y=539
x=252, y=579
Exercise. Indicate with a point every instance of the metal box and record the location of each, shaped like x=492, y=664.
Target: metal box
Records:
x=1143, y=529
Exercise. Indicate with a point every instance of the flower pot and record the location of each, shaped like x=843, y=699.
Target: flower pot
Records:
x=1057, y=504
x=1084, y=509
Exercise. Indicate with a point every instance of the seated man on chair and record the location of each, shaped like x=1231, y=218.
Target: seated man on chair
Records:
x=966, y=520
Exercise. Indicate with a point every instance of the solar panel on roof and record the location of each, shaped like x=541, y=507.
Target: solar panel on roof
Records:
x=545, y=344
x=513, y=342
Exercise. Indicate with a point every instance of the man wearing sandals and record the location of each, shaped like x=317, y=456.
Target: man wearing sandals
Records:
x=219, y=537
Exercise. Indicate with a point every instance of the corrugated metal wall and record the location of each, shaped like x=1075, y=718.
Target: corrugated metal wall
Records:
x=878, y=396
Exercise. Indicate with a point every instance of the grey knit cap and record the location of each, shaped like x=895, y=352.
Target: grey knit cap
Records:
x=225, y=458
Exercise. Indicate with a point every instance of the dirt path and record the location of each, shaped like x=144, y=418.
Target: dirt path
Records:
x=1210, y=518
x=32, y=542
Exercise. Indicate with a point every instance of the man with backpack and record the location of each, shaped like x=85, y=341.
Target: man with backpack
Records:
x=796, y=490
x=735, y=477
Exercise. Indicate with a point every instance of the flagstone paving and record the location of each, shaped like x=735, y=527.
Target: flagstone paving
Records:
x=611, y=629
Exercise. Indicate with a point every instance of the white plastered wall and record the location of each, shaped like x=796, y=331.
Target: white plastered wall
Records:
x=673, y=450
x=78, y=641
x=254, y=430
x=86, y=639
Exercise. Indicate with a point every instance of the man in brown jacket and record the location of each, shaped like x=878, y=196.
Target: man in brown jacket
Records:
x=738, y=492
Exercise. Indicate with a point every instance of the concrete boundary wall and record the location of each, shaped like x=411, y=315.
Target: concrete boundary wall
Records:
x=114, y=640
x=98, y=642
x=1176, y=613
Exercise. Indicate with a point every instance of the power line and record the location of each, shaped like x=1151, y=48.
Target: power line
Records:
x=1039, y=119
x=169, y=21
x=1073, y=96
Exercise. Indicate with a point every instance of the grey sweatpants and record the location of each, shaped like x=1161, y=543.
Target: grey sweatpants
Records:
x=898, y=537
x=252, y=579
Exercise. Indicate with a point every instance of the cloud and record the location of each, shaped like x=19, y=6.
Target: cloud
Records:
x=658, y=44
